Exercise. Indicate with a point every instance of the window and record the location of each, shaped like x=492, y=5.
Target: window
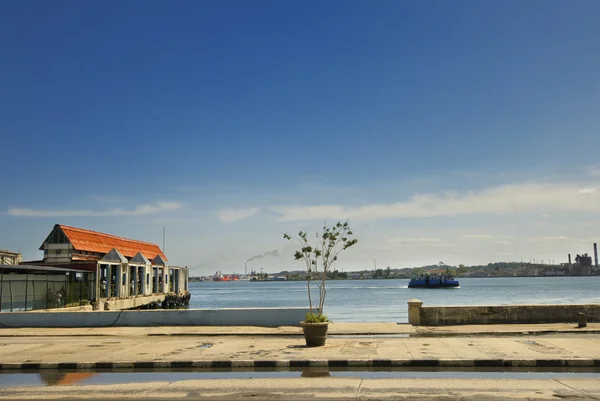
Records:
x=57, y=237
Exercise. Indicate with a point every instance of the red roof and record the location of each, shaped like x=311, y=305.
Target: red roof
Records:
x=92, y=241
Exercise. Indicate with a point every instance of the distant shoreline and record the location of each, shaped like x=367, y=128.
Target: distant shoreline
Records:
x=192, y=280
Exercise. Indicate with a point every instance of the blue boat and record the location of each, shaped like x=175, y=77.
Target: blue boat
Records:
x=440, y=281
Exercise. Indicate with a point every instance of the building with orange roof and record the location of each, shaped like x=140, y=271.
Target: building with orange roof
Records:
x=68, y=244
x=128, y=273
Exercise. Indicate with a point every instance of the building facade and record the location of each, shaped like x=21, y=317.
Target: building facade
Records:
x=10, y=258
x=124, y=269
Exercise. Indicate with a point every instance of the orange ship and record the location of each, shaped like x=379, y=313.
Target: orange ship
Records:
x=221, y=277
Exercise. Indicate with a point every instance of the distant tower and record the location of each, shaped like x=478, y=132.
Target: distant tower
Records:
x=595, y=254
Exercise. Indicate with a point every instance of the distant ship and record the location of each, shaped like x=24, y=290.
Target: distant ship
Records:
x=224, y=277
x=438, y=280
x=443, y=281
x=277, y=278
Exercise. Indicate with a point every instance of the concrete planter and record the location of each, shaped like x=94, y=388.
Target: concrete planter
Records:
x=315, y=334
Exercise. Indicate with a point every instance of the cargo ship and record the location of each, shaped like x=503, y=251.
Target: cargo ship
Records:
x=225, y=277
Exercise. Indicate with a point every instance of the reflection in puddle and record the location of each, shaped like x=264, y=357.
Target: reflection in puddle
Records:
x=56, y=378
x=322, y=373
x=64, y=378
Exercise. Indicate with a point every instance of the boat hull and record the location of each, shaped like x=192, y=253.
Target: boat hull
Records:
x=443, y=285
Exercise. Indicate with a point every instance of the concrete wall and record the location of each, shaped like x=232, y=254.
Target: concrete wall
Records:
x=265, y=317
x=68, y=309
x=501, y=314
x=181, y=280
x=58, y=253
x=128, y=303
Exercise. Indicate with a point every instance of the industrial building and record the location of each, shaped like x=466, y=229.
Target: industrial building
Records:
x=583, y=264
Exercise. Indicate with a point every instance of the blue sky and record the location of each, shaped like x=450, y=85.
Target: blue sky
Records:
x=461, y=131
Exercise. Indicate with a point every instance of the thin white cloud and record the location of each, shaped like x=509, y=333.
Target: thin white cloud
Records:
x=410, y=241
x=139, y=210
x=170, y=220
x=587, y=191
x=564, y=238
x=483, y=236
x=106, y=199
x=551, y=239
x=477, y=236
x=594, y=171
x=395, y=244
x=233, y=215
x=501, y=200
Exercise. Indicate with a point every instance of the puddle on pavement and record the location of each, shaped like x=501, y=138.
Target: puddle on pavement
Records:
x=63, y=378
x=368, y=336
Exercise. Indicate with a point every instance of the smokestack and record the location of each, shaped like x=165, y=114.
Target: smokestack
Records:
x=570, y=264
x=595, y=254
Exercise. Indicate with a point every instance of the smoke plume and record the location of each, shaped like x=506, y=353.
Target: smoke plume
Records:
x=271, y=253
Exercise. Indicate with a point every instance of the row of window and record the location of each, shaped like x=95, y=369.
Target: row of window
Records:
x=55, y=252
x=66, y=251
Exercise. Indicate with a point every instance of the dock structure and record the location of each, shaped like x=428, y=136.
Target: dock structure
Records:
x=126, y=273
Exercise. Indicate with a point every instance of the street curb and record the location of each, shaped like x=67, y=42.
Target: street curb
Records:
x=303, y=363
x=333, y=335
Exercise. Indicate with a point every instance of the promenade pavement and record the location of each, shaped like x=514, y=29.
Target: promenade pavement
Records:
x=350, y=346
x=385, y=344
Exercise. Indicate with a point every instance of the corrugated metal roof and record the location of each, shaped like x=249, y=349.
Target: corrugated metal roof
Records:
x=92, y=241
x=80, y=258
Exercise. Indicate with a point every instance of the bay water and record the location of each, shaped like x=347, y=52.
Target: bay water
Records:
x=386, y=300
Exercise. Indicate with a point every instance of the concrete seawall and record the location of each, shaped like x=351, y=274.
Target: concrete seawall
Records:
x=265, y=317
x=500, y=314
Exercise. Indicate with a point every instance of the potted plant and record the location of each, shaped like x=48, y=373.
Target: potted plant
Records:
x=332, y=240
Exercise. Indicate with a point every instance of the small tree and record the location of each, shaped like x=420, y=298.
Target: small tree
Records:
x=318, y=259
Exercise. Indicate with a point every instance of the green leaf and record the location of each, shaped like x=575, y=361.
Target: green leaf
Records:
x=312, y=317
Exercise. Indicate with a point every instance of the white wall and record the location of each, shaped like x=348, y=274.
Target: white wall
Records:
x=265, y=317
x=51, y=255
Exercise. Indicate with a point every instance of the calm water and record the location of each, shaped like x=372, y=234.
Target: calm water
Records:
x=385, y=300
